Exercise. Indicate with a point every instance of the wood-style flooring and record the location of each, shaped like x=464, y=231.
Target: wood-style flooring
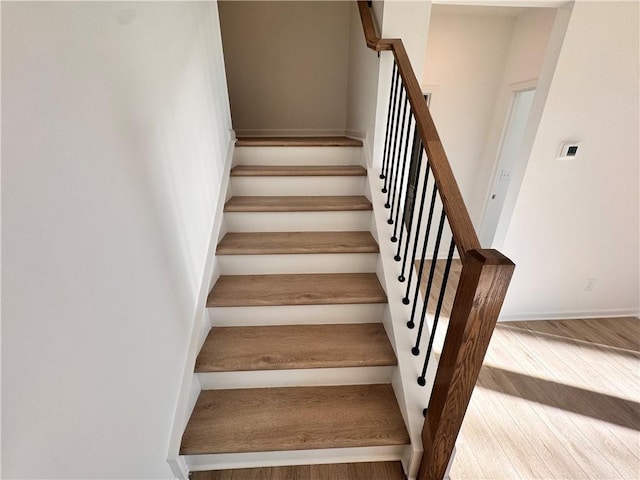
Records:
x=341, y=471
x=438, y=275
x=556, y=399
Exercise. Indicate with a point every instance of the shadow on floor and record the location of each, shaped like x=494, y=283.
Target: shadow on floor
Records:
x=601, y=406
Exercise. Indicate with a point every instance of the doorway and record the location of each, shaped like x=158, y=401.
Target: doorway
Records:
x=512, y=155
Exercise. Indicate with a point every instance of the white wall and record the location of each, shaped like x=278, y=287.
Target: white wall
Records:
x=578, y=219
x=531, y=54
x=363, y=84
x=409, y=21
x=287, y=65
x=115, y=131
x=465, y=60
x=370, y=76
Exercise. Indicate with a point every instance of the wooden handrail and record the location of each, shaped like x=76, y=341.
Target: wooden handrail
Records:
x=462, y=229
x=483, y=285
x=373, y=41
x=481, y=290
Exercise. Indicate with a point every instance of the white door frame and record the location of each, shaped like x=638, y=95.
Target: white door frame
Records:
x=512, y=91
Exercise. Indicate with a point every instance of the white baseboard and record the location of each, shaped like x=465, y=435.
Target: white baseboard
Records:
x=533, y=316
x=302, y=132
x=223, y=461
x=355, y=134
x=190, y=385
x=411, y=397
x=296, y=315
x=312, y=377
x=298, y=263
x=367, y=148
x=298, y=156
x=179, y=468
x=295, y=185
x=328, y=221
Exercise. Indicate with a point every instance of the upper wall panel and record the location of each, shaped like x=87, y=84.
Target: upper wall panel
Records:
x=287, y=65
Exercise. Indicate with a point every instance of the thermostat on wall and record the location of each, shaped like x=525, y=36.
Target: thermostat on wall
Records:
x=568, y=150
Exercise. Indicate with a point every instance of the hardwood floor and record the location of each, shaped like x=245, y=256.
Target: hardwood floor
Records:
x=554, y=406
x=438, y=275
x=555, y=399
x=341, y=471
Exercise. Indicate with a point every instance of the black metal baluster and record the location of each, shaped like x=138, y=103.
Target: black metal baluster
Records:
x=411, y=322
x=402, y=191
x=406, y=300
x=397, y=186
x=394, y=164
x=443, y=288
x=416, y=349
x=415, y=153
x=394, y=130
x=392, y=97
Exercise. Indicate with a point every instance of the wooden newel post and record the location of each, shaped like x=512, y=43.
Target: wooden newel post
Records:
x=483, y=285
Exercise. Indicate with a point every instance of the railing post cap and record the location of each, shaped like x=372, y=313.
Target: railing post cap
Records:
x=489, y=256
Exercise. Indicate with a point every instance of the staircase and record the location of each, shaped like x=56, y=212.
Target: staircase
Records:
x=297, y=366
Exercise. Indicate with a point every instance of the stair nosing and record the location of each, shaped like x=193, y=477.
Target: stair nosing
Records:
x=242, y=171
x=262, y=287
x=298, y=203
x=329, y=141
x=300, y=243
x=306, y=418
x=294, y=347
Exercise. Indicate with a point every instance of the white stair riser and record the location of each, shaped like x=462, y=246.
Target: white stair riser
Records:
x=312, y=377
x=296, y=315
x=297, y=156
x=303, y=263
x=223, y=461
x=342, y=221
x=299, y=185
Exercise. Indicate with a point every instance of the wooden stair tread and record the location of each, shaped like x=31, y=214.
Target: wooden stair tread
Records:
x=296, y=289
x=334, y=471
x=228, y=349
x=297, y=204
x=297, y=171
x=270, y=243
x=297, y=142
x=298, y=418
